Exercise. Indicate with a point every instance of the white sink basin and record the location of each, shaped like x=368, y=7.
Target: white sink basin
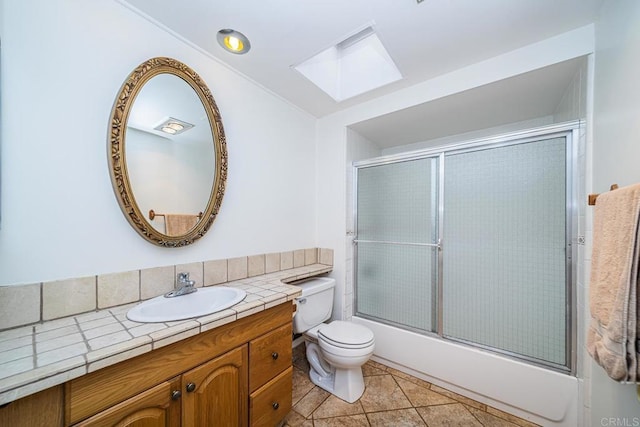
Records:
x=204, y=301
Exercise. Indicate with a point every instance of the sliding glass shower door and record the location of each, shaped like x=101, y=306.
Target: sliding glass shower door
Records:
x=504, y=259
x=501, y=277
x=397, y=238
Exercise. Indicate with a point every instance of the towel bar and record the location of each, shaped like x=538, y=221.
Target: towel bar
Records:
x=593, y=197
x=153, y=214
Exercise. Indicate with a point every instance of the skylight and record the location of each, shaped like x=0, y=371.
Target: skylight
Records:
x=354, y=66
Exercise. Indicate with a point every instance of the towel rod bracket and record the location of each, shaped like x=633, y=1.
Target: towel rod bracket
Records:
x=593, y=197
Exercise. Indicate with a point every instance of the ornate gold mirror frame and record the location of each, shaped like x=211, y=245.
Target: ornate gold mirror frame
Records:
x=118, y=162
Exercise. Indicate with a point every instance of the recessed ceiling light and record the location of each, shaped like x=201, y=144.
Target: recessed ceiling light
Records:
x=173, y=126
x=233, y=41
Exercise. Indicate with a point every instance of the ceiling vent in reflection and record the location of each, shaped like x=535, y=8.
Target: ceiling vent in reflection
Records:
x=356, y=65
x=173, y=126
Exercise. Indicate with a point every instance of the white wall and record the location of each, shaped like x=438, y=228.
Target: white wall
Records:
x=63, y=63
x=616, y=159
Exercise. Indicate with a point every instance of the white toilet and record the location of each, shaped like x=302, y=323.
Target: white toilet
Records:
x=336, y=351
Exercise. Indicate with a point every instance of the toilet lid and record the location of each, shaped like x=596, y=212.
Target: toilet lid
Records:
x=346, y=334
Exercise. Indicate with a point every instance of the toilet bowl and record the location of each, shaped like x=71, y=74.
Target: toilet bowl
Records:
x=337, y=366
x=337, y=350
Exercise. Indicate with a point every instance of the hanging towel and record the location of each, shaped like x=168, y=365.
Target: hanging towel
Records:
x=178, y=224
x=611, y=339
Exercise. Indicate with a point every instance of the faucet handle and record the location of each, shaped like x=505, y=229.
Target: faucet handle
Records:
x=183, y=277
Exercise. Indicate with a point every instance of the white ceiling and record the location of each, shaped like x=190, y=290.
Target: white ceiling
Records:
x=425, y=40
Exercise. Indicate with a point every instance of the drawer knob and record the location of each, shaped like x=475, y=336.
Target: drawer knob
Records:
x=275, y=405
x=274, y=355
x=191, y=387
x=176, y=394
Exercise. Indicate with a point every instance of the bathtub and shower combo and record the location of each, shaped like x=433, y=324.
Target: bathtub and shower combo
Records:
x=465, y=264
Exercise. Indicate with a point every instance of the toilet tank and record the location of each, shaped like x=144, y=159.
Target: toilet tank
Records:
x=315, y=304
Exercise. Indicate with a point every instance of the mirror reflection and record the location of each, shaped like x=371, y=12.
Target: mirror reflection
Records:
x=167, y=153
x=170, y=154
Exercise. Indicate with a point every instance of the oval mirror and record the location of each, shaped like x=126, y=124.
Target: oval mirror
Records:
x=168, y=155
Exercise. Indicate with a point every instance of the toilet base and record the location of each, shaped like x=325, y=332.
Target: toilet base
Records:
x=324, y=382
x=346, y=384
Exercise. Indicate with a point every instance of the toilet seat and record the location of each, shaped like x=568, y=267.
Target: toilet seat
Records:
x=345, y=335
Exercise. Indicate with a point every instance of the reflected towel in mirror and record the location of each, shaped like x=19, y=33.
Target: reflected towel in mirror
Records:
x=179, y=224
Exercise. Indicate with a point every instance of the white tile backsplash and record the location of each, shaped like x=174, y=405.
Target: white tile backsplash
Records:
x=19, y=305
x=298, y=258
x=255, y=265
x=215, y=272
x=286, y=260
x=118, y=288
x=67, y=297
x=310, y=256
x=237, y=268
x=157, y=281
x=60, y=299
x=272, y=262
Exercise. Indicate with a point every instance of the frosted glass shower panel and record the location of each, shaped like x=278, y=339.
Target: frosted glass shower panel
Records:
x=394, y=284
x=396, y=232
x=396, y=202
x=504, y=260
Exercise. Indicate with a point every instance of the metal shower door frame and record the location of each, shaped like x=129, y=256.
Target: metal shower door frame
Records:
x=569, y=131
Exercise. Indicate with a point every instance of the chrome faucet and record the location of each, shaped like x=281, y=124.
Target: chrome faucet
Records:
x=184, y=286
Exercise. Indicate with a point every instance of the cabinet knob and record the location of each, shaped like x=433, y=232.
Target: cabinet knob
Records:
x=275, y=405
x=274, y=355
x=191, y=387
x=176, y=394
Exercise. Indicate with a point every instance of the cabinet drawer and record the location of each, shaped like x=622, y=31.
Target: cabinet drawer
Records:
x=272, y=402
x=269, y=355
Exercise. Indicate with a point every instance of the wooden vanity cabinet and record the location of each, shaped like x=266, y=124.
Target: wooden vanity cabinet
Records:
x=238, y=374
x=213, y=394
x=151, y=408
x=44, y=408
x=216, y=392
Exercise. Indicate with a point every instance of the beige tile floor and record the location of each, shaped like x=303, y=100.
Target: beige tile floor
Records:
x=391, y=398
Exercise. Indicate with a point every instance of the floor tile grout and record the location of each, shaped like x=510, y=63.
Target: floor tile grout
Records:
x=395, y=398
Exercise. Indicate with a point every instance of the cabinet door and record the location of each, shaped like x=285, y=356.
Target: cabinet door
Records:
x=41, y=409
x=152, y=408
x=215, y=393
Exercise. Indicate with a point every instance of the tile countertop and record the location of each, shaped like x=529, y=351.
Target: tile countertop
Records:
x=39, y=356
